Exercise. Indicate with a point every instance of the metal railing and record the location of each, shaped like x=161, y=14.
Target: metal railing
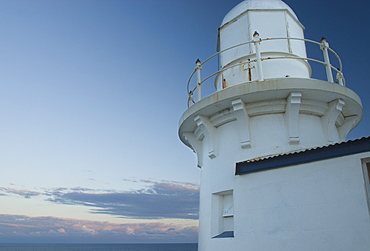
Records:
x=256, y=41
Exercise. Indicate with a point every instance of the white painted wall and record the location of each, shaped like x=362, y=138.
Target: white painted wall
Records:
x=314, y=206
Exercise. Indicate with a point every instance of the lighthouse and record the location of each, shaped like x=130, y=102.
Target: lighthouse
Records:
x=276, y=170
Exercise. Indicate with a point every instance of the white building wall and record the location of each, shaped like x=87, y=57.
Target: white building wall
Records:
x=270, y=24
x=237, y=38
x=295, y=30
x=314, y=206
x=308, y=123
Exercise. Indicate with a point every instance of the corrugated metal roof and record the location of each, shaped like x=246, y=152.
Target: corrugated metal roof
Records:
x=304, y=156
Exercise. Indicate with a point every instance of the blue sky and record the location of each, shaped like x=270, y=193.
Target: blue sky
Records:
x=91, y=93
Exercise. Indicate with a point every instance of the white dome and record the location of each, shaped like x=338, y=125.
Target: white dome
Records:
x=256, y=5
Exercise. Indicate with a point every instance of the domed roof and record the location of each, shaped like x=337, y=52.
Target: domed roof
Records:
x=256, y=5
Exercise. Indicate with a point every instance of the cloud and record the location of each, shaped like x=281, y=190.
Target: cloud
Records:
x=158, y=200
x=24, y=193
x=23, y=228
x=164, y=199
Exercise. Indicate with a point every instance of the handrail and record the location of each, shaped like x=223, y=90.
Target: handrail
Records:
x=324, y=46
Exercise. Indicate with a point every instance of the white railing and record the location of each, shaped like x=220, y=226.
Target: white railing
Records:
x=324, y=46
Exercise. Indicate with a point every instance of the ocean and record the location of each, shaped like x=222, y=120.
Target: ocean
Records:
x=99, y=247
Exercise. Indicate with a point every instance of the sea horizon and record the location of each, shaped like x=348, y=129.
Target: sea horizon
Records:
x=98, y=246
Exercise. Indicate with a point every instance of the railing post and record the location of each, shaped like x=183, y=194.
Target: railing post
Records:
x=324, y=47
x=339, y=78
x=257, y=40
x=198, y=68
x=190, y=99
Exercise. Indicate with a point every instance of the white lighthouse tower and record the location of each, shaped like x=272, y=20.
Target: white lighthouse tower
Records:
x=252, y=135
